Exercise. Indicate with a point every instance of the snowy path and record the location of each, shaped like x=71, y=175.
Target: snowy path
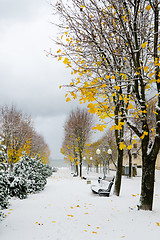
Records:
x=67, y=210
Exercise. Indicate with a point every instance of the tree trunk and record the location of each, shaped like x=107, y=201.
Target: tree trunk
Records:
x=147, y=185
x=77, y=169
x=118, y=173
x=80, y=165
x=130, y=163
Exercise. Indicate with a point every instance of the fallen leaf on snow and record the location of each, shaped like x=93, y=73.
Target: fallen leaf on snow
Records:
x=158, y=224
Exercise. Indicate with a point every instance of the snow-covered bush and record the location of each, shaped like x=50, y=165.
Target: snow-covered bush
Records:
x=3, y=189
x=29, y=175
x=18, y=186
x=3, y=178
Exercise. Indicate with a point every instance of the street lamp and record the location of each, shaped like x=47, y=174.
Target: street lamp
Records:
x=98, y=151
x=110, y=154
x=90, y=164
x=104, y=162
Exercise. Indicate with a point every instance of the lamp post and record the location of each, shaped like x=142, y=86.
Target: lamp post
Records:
x=98, y=151
x=90, y=164
x=104, y=162
x=110, y=154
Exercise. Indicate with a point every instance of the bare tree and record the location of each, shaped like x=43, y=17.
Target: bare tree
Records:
x=78, y=129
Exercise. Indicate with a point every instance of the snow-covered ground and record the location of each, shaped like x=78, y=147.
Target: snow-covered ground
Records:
x=68, y=210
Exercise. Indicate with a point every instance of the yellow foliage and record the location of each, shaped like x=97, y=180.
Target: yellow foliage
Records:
x=146, y=68
x=68, y=99
x=116, y=87
x=99, y=127
x=59, y=58
x=66, y=61
x=92, y=108
x=130, y=106
x=148, y=7
x=73, y=95
x=144, y=44
x=129, y=147
x=144, y=134
x=122, y=146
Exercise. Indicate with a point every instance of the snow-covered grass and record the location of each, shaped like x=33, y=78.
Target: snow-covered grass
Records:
x=68, y=210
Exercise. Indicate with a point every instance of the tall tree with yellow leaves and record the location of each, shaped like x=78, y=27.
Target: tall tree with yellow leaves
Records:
x=113, y=49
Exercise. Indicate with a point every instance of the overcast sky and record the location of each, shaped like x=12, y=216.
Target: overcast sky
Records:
x=29, y=79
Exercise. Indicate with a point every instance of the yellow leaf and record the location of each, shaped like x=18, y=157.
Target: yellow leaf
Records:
x=144, y=44
x=155, y=112
x=66, y=61
x=53, y=221
x=68, y=99
x=144, y=134
x=59, y=51
x=112, y=128
x=92, y=108
x=94, y=232
x=130, y=106
x=122, y=145
x=60, y=87
x=73, y=95
x=107, y=76
x=117, y=87
x=99, y=127
x=59, y=58
x=146, y=69
x=158, y=224
x=148, y=7
x=129, y=147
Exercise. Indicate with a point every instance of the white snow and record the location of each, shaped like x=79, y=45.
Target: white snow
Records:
x=68, y=210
